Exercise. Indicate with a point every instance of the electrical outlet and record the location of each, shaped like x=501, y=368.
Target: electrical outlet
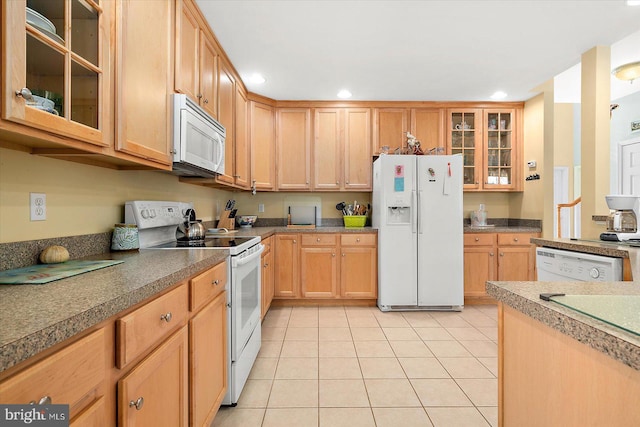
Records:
x=38, y=206
x=261, y=208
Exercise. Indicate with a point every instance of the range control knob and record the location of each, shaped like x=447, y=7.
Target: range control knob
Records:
x=144, y=213
x=594, y=273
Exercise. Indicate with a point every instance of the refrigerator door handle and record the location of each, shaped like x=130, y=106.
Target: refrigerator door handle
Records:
x=414, y=212
x=417, y=209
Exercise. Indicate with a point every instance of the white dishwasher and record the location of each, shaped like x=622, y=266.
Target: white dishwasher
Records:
x=556, y=265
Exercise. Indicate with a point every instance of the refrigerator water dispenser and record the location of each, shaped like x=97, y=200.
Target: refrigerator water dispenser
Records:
x=398, y=215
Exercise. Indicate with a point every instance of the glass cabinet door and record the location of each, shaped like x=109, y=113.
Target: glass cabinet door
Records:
x=500, y=160
x=465, y=137
x=59, y=80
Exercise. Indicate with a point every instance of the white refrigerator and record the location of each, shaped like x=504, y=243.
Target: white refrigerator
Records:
x=417, y=209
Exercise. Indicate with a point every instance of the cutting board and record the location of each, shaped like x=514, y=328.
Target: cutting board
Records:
x=45, y=273
x=303, y=215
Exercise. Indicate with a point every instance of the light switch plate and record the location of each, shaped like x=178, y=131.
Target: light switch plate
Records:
x=38, y=206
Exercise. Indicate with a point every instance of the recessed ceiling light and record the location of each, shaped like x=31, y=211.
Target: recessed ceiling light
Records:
x=344, y=94
x=499, y=95
x=633, y=2
x=257, y=79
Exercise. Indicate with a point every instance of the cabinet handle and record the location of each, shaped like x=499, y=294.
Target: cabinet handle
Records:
x=137, y=403
x=166, y=317
x=236, y=176
x=25, y=93
x=199, y=95
x=490, y=253
x=266, y=264
x=307, y=182
x=347, y=182
x=337, y=182
x=501, y=253
x=44, y=400
x=333, y=255
x=206, y=101
x=477, y=183
x=515, y=239
x=358, y=239
x=343, y=255
x=215, y=282
x=477, y=239
x=318, y=240
x=294, y=241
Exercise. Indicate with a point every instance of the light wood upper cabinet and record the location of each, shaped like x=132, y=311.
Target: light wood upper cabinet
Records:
x=390, y=128
x=263, y=146
x=196, y=58
x=226, y=116
x=342, y=149
x=242, y=150
x=144, y=79
x=69, y=71
x=489, y=141
x=427, y=125
x=293, y=148
x=357, y=146
x=328, y=148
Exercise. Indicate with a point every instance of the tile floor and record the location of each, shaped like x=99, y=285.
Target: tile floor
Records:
x=358, y=366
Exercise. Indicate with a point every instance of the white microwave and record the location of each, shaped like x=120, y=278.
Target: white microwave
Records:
x=198, y=140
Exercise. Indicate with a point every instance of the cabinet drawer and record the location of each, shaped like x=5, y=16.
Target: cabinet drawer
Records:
x=319, y=239
x=207, y=285
x=139, y=330
x=71, y=376
x=480, y=239
x=515, y=239
x=358, y=239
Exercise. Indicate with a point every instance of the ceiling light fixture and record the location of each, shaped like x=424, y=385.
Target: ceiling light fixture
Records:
x=344, y=94
x=499, y=95
x=257, y=79
x=630, y=71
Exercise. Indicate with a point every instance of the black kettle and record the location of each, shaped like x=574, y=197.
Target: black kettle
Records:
x=191, y=230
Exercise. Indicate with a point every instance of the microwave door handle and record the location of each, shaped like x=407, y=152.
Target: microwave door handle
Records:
x=220, y=151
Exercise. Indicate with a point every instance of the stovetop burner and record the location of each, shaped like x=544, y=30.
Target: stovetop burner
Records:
x=190, y=243
x=234, y=244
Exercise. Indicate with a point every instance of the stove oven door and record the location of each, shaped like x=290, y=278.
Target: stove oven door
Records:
x=245, y=299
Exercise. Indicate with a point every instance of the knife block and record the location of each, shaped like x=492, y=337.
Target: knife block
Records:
x=226, y=222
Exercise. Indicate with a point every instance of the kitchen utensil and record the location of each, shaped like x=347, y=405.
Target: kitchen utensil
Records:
x=191, y=230
x=233, y=211
x=340, y=206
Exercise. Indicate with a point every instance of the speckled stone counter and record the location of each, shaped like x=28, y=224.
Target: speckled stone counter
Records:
x=524, y=297
x=612, y=249
x=36, y=317
x=502, y=229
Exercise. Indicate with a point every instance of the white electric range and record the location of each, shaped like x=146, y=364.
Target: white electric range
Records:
x=157, y=222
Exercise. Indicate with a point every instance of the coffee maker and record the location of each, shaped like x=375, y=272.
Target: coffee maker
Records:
x=622, y=223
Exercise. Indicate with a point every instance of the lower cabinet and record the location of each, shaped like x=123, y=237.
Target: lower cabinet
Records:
x=267, y=276
x=155, y=392
x=331, y=266
x=496, y=256
x=208, y=360
x=287, y=275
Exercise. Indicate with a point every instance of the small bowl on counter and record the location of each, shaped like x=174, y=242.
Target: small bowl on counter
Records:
x=246, y=221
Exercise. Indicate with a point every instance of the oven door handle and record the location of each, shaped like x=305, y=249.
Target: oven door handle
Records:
x=240, y=261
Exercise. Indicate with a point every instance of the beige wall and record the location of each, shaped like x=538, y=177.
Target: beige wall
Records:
x=82, y=199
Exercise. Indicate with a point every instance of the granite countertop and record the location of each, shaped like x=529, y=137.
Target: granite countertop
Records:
x=36, y=317
x=502, y=229
x=524, y=297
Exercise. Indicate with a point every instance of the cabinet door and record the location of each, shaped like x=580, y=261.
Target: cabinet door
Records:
x=427, y=125
x=262, y=146
x=145, y=82
x=208, y=75
x=208, y=360
x=319, y=272
x=68, y=70
x=293, y=146
x=327, y=149
x=155, y=392
x=357, y=149
x=287, y=274
x=267, y=281
x=226, y=113
x=479, y=266
x=515, y=263
x=390, y=128
x=187, y=66
x=358, y=272
x=241, y=149
x=500, y=150
x=464, y=136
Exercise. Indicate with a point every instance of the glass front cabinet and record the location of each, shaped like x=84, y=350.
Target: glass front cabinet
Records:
x=487, y=140
x=57, y=75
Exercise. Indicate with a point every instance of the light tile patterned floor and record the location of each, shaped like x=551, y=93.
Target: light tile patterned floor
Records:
x=358, y=366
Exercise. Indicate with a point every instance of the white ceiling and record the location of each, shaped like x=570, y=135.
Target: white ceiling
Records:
x=455, y=50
